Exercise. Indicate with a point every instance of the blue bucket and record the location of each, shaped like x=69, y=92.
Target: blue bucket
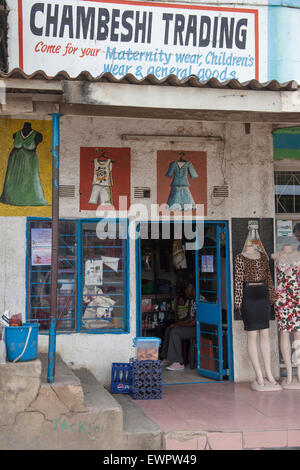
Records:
x=22, y=342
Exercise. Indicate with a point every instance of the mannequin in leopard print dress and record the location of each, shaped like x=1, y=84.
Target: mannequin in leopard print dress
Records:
x=254, y=294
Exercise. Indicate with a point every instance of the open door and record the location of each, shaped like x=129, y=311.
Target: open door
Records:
x=210, y=328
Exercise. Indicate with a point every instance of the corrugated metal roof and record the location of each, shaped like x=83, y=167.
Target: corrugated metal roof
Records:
x=171, y=80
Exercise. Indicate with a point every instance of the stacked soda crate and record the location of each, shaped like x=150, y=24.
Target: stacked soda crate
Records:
x=146, y=380
x=142, y=376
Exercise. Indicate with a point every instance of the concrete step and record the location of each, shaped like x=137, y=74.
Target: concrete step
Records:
x=75, y=412
x=66, y=384
x=140, y=432
x=64, y=415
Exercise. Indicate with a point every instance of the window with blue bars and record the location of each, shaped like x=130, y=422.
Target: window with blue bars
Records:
x=92, y=294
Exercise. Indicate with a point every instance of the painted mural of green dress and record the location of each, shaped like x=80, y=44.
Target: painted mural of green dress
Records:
x=22, y=185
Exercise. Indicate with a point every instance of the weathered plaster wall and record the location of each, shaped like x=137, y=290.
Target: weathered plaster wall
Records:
x=13, y=264
x=247, y=166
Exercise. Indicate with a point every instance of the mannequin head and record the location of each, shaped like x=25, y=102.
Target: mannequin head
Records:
x=296, y=231
x=287, y=254
x=250, y=249
x=251, y=252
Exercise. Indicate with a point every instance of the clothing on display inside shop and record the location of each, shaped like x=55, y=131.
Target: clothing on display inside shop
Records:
x=179, y=258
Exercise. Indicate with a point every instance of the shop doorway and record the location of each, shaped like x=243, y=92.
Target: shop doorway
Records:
x=167, y=274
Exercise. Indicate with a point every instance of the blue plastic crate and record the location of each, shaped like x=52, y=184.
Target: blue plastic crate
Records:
x=121, y=377
x=146, y=380
x=147, y=395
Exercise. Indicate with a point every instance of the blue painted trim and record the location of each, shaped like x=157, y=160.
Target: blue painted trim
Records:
x=27, y=270
x=197, y=282
x=286, y=141
x=138, y=283
x=210, y=374
x=79, y=273
x=219, y=302
x=127, y=282
x=55, y=164
x=284, y=3
x=51, y=351
x=193, y=383
x=229, y=307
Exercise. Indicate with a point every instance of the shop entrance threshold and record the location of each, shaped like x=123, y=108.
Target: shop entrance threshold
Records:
x=183, y=377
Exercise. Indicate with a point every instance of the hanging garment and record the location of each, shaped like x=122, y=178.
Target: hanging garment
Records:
x=22, y=185
x=287, y=303
x=180, y=193
x=179, y=258
x=102, y=182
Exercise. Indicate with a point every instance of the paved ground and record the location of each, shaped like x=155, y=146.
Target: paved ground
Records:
x=225, y=415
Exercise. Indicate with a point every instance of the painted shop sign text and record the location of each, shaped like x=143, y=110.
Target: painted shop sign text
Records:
x=140, y=38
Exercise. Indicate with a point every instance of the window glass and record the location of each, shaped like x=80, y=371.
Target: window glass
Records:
x=103, y=304
x=287, y=192
x=39, y=261
x=208, y=283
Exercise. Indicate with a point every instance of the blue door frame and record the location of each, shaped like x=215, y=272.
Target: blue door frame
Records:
x=216, y=310
x=209, y=312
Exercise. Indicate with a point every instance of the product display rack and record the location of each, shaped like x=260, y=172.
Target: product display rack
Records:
x=156, y=320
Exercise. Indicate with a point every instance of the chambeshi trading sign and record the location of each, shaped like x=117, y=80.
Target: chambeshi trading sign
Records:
x=138, y=38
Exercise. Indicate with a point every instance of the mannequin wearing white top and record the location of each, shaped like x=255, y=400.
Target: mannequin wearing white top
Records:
x=289, y=256
x=260, y=384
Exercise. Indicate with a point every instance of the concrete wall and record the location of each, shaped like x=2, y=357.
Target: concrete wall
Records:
x=247, y=164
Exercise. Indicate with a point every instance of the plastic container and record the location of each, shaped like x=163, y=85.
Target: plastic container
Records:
x=146, y=348
x=22, y=342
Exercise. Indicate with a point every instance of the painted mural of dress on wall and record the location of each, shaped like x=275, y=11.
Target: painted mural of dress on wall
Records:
x=180, y=194
x=22, y=185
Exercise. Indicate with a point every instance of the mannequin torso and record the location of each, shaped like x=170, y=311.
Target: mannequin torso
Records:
x=286, y=308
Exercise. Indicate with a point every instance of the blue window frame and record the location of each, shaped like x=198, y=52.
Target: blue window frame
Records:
x=93, y=275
